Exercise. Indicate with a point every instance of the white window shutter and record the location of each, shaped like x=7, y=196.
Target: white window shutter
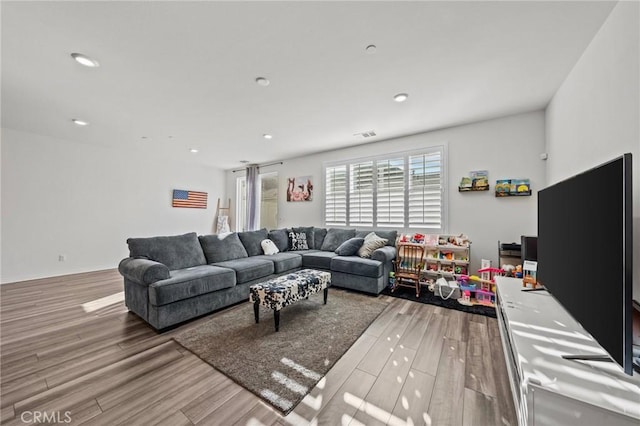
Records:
x=336, y=195
x=361, y=194
x=390, y=204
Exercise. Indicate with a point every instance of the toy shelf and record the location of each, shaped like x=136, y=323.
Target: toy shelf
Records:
x=448, y=261
x=447, y=247
x=443, y=254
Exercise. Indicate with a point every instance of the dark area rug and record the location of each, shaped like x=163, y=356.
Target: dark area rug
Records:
x=283, y=367
x=427, y=297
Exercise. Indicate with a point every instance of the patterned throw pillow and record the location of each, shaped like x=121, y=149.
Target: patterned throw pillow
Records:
x=371, y=243
x=298, y=241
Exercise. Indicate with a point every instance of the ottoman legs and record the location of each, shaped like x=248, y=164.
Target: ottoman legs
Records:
x=276, y=315
x=326, y=291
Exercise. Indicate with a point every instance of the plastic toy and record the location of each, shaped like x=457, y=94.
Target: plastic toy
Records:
x=466, y=298
x=518, y=271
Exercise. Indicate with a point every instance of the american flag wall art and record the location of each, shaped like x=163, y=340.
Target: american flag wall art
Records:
x=189, y=199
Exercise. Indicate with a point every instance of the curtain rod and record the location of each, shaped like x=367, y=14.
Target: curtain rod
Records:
x=260, y=165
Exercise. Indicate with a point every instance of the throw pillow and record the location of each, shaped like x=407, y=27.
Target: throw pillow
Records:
x=269, y=247
x=370, y=244
x=281, y=238
x=309, y=232
x=335, y=237
x=349, y=247
x=298, y=241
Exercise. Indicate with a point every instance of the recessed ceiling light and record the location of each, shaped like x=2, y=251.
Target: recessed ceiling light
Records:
x=262, y=81
x=80, y=122
x=85, y=60
x=193, y=150
x=370, y=49
x=400, y=97
x=267, y=136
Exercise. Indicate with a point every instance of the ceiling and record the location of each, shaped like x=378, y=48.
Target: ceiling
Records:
x=180, y=75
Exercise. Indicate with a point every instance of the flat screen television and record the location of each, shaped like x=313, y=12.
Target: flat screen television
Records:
x=585, y=252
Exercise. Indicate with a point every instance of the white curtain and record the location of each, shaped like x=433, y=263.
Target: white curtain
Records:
x=253, y=205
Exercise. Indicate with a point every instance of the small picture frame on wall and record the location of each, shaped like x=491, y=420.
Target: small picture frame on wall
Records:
x=300, y=189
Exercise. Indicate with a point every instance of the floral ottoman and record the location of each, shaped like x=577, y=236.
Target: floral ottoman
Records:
x=287, y=289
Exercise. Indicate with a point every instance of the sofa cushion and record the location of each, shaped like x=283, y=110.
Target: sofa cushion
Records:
x=356, y=265
x=335, y=237
x=280, y=237
x=218, y=248
x=190, y=282
x=318, y=259
x=249, y=268
x=283, y=262
x=371, y=242
x=308, y=232
x=176, y=251
x=349, y=247
x=318, y=237
x=390, y=236
x=251, y=240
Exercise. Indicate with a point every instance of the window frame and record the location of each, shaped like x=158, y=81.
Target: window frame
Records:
x=241, y=210
x=442, y=148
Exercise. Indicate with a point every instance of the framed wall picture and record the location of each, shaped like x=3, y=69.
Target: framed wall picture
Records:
x=300, y=188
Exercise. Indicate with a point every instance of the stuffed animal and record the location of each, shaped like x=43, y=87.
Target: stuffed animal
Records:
x=508, y=270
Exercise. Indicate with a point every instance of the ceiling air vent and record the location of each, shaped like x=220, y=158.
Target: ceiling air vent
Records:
x=365, y=135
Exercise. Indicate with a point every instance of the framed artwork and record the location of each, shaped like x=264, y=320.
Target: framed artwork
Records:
x=300, y=188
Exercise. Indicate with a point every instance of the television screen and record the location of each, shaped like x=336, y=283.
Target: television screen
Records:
x=585, y=252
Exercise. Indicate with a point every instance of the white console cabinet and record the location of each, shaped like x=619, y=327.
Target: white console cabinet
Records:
x=547, y=389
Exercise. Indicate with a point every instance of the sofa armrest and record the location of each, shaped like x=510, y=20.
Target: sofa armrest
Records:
x=143, y=271
x=384, y=254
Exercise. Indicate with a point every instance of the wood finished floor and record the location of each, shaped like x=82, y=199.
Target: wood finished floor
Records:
x=63, y=350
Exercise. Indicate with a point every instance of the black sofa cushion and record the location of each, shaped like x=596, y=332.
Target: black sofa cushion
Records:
x=308, y=231
x=219, y=248
x=176, y=251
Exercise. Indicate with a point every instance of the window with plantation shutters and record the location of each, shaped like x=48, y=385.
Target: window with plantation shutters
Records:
x=361, y=194
x=399, y=191
x=390, y=193
x=425, y=191
x=335, y=196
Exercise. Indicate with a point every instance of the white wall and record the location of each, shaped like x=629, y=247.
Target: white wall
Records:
x=595, y=115
x=84, y=201
x=507, y=147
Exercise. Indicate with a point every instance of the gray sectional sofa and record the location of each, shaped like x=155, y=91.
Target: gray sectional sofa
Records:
x=172, y=279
